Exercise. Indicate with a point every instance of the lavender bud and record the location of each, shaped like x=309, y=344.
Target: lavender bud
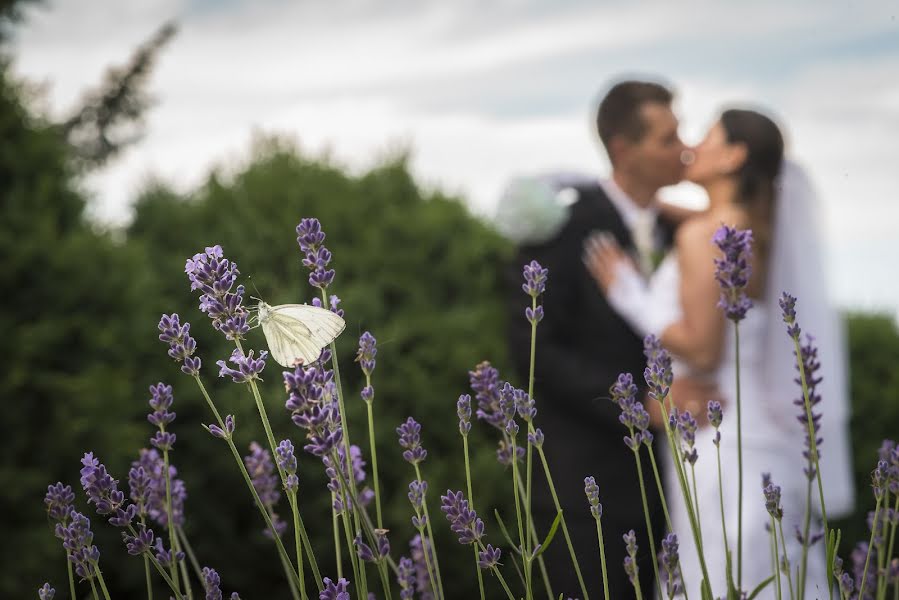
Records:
x=536, y=439
x=534, y=279
x=732, y=272
x=311, y=238
x=142, y=542
x=489, y=557
x=335, y=591
x=223, y=433
x=592, y=491
x=45, y=592
x=366, y=353
x=59, y=501
x=248, y=368
x=214, y=276
x=181, y=345
x=463, y=410
x=410, y=438
x=463, y=520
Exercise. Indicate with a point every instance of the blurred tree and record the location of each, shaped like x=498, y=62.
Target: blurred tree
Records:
x=110, y=117
x=414, y=268
x=874, y=385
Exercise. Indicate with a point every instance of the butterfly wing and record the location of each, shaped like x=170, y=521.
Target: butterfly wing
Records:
x=299, y=332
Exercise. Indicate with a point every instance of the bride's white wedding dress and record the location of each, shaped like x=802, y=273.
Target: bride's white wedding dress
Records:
x=767, y=448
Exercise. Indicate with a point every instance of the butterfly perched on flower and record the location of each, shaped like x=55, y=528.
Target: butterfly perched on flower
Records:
x=298, y=332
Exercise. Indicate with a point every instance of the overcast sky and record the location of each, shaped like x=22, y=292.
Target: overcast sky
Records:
x=481, y=91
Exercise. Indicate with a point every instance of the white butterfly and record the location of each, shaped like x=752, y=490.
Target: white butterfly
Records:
x=298, y=332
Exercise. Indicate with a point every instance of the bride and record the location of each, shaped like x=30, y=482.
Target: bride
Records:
x=740, y=166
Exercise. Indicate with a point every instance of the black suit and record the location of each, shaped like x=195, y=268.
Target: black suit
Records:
x=582, y=346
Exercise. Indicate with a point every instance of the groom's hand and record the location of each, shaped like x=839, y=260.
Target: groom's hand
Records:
x=687, y=393
x=694, y=394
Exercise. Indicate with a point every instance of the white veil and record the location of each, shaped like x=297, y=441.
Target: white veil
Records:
x=796, y=266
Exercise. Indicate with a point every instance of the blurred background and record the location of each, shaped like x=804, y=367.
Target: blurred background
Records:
x=132, y=134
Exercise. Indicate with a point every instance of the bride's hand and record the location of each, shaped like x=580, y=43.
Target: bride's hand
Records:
x=604, y=259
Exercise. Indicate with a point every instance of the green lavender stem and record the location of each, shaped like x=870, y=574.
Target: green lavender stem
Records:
x=812, y=436
x=739, y=461
x=471, y=504
x=652, y=544
x=783, y=544
x=173, y=568
x=243, y=470
x=861, y=588
x=191, y=556
x=776, y=558
x=439, y=587
x=602, y=559
x=374, y=455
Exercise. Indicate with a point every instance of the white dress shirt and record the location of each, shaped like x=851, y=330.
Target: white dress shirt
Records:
x=641, y=221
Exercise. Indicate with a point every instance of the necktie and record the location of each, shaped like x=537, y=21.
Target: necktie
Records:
x=643, y=232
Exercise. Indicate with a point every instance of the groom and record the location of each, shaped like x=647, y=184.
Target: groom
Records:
x=582, y=344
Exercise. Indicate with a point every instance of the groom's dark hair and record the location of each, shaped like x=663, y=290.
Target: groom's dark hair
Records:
x=619, y=110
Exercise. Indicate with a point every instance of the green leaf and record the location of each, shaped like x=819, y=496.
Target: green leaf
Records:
x=758, y=589
x=506, y=535
x=549, y=536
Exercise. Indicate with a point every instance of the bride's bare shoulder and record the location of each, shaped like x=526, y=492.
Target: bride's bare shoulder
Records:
x=695, y=234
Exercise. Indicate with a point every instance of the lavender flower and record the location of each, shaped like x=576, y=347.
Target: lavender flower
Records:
x=534, y=285
x=592, y=491
x=772, y=499
x=181, y=345
x=405, y=578
x=366, y=553
x=59, y=501
x=417, y=547
x=142, y=542
x=463, y=410
x=633, y=414
x=658, y=374
x=486, y=385
x=365, y=355
x=417, y=490
x=504, y=453
x=225, y=433
x=489, y=557
x=103, y=492
x=341, y=499
x=288, y=463
x=333, y=304
x=165, y=556
x=715, y=416
x=410, y=438
x=536, y=439
x=534, y=279
x=155, y=502
x=858, y=562
x=45, y=592
x=215, y=276
x=788, y=310
x=811, y=365
x=161, y=401
x=311, y=239
x=733, y=271
x=335, y=591
x=312, y=403
x=212, y=584
x=463, y=520
x=248, y=368
x=686, y=427
x=630, y=561
x=139, y=486
x=671, y=564
x=77, y=539
x=262, y=473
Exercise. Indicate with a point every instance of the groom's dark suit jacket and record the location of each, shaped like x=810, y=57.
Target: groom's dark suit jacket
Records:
x=582, y=346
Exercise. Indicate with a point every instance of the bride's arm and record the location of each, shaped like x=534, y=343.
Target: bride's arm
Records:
x=698, y=337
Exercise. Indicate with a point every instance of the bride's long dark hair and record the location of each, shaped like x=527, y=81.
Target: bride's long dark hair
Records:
x=756, y=177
